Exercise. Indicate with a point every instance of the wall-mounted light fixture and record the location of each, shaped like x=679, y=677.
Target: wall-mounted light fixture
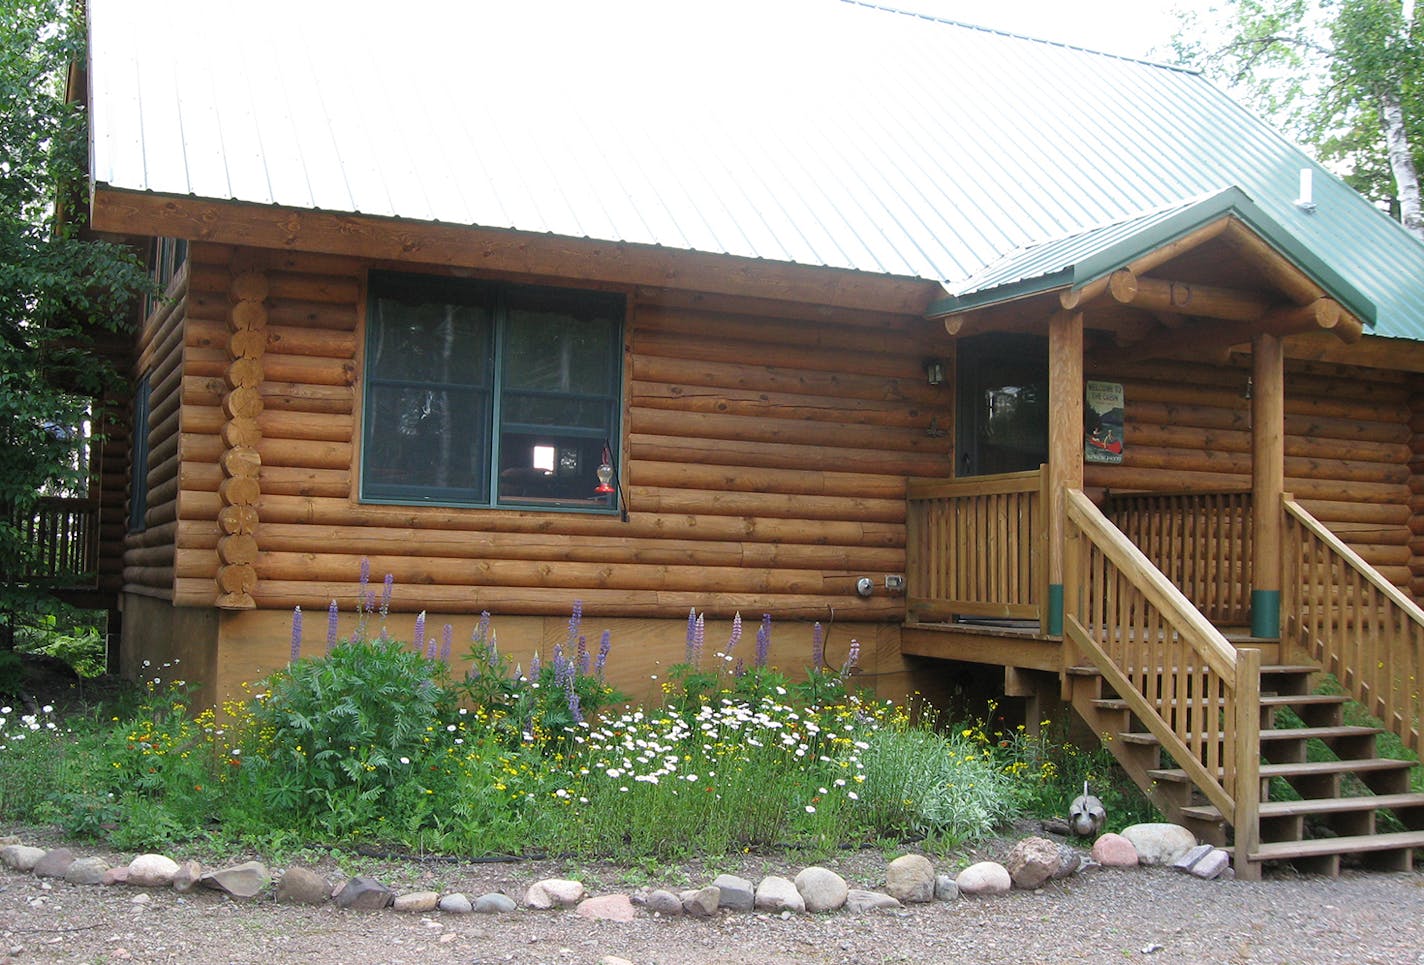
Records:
x=934, y=371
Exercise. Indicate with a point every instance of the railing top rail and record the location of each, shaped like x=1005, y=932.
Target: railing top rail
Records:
x=1008, y=482
x=1178, y=611
x=1173, y=493
x=1342, y=549
x=63, y=502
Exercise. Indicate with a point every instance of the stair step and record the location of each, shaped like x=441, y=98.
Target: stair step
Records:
x=1301, y=769
x=1280, y=734
x=1319, y=805
x=1274, y=669
x=1267, y=700
x=1288, y=850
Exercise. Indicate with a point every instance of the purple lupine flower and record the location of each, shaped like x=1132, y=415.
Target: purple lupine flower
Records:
x=692, y=637
x=534, y=667
x=736, y=636
x=605, y=644
x=365, y=579
x=573, y=698
x=563, y=670
x=447, y=640
x=739, y=669
x=387, y=586
x=296, y=636
x=583, y=655
x=763, y=640
x=818, y=647
x=483, y=627
x=419, y=642
x=575, y=621
x=333, y=613
x=852, y=658
x=699, y=635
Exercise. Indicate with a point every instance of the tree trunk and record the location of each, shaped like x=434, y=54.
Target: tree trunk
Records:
x=1401, y=163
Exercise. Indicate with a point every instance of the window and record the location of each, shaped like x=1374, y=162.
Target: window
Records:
x=484, y=394
x=138, y=464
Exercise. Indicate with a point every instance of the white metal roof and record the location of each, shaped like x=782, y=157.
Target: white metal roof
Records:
x=816, y=132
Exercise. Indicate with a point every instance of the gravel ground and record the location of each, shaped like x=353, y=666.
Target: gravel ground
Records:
x=1099, y=916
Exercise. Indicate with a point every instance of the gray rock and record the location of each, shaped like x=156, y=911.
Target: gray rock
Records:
x=1212, y=865
x=1159, y=843
x=455, y=904
x=244, y=880
x=664, y=903
x=21, y=857
x=702, y=902
x=54, y=863
x=494, y=903
x=1069, y=861
x=984, y=878
x=416, y=902
x=822, y=889
x=186, y=878
x=860, y=902
x=1188, y=860
x=1031, y=862
x=776, y=894
x=86, y=871
x=363, y=894
x=302, y=886
x=910, y=878
x=736, y=894
x=606, y=908
x=152, y=871
x=117, y=876
x=8, y=839
x=554, y=893
x=946, y=888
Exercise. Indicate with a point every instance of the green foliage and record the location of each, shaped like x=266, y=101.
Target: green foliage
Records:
x=58, y=291
x=32, y=751
x=1318, y=70
x=80, y=646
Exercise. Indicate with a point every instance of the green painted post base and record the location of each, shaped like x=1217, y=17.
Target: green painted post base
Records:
x=1055, y=609
x=1266, y=614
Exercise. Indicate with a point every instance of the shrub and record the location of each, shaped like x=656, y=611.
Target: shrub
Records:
x=32, y=751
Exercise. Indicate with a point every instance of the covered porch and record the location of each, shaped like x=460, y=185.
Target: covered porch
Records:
x=1180, y=620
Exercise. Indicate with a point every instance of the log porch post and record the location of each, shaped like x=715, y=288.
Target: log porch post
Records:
x=1267, y=481
x=1065, y=444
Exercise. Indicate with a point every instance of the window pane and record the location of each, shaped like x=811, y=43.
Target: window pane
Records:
x=430, y=342
x=523, y=477
x=526, y=409
x=426, y=442
x=560, y=342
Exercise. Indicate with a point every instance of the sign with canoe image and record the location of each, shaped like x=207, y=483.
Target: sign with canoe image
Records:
x=1102, y=423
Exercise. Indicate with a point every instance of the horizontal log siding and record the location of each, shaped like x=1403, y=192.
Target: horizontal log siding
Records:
x=1416, y=488
x=765, y=468
x=147, y=567
x=1347, y=445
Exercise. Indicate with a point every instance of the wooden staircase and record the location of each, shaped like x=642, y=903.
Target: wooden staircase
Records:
x=1312, y=813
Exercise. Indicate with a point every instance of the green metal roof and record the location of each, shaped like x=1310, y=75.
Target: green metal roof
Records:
x=1085, y=256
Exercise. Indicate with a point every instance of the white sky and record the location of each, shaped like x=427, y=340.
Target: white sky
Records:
x=1129, y=27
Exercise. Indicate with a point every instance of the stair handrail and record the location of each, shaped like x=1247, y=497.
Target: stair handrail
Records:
x=1196, y=693
x=1382, y=665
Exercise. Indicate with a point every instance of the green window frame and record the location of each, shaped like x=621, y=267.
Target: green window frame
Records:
x=489, y=394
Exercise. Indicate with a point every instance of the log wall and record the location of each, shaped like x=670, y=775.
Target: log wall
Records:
x=148, y=553
x=764, y=470
x=1416, y=488
x=1347, y=444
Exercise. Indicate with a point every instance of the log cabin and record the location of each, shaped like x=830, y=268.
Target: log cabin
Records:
x=985, y=351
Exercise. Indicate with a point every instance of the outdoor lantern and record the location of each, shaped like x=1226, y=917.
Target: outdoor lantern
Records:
x=934, y=371
x=605, y=478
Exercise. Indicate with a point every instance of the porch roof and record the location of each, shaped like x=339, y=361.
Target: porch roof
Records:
x=1080, y=257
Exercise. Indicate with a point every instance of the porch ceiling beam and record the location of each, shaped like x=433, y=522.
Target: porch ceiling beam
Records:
x=1321, y=314
x=1158, y=295
x=1209, y=341
x=1079, y=297
x=1275, y=268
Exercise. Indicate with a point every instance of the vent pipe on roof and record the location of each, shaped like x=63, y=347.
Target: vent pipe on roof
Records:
x=1306, y=201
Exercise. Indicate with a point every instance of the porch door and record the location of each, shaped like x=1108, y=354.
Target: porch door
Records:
x=1003, y=404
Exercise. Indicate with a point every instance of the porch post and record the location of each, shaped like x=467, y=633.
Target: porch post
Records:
x=1267, y=482
x=1065, y=444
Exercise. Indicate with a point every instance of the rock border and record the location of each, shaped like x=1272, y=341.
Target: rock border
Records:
x=909, y=879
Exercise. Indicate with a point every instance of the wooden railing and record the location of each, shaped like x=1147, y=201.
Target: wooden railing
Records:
x=64, y=534
x=1196, y=693
x=977, y=547
x=1355, y=623
x=1200, y=541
